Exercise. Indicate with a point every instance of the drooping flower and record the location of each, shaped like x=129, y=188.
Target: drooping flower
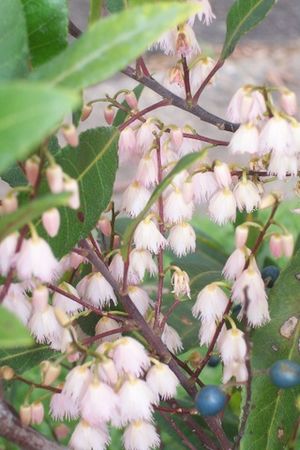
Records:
x=92, y=407
x=76, y=383
x=162, y=381
x=204, y=186
x=148, y=237
x=211, y=303
x=135, y=198
x=222, y=207
x=222, y=174
x=89, y=438
x=95, y=289
x=181, y=283
x=246, y=195
x=182, y=239
x=245, y=139
x=235, y=369
x=140, y=435
x=7, y=252
x=107, y=324
x=68, y=305
x=136, y=400
x=130, y=357
x=140, y=298
x=171, y=339
x=233, y=346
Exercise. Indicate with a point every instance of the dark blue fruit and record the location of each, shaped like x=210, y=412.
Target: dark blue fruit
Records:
x=213, y=361
x=285, y=374
x=269, y=275
x=210, y=400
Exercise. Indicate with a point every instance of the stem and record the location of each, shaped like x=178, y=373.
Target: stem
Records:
x=142, y=65
x=199, y=137
x=263, y=232
x=182, y=436
x=37, y=385
x=186, y=77
x=144, y=111
x=92, y=339
x=218, y=66
x=169, y=312
x=160, y=256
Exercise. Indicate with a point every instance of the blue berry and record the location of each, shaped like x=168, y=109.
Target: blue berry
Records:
x=269, y=275
x=210, y=400
x=213, y=361
x=285, y=374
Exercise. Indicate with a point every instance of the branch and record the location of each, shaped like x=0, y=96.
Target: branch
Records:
x=27, y=438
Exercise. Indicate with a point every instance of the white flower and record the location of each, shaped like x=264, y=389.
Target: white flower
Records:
x=107, y=371
x=222, y=174
x=17, y=302
x=147, y=173
x=66, y=304
x=86, y=437
x=176, y=136
x=222, y=207
x=175, y=207
x=130, y=356
x=140, y=435
x=145, y=136
x=148, y=237
x=135, y=400
x=246, y=105
x=96, y=290
x=199, y=71
x=7, y=252
x=241, y=235
x=210, y=304
x=182, y=239
x=181, y=283
x=288, y=245
x=276, y=136
x=171, y=339
x=77, y=382
x=63, y=407
x=205, y=14
x=235, y=263
x=140, y=261
x=235, y=369
x=127, y=144
x=204, y=186
x=281, y=165
x=140, y=298
x=247, y=195
x=206, y=332
x=135, y=198
x=288, y=101
x=245, y=139
x=233, y=346
x=99, y=403
x=162, y=381
x=36, y=259
x=107, y=324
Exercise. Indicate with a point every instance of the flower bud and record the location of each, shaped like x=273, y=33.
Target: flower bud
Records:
x=76, y=260
x=9, y=203
x=51, y=221
x=6, y=373
x=61, y=431
x=71, y=185
x=50, y=372
x=37, y=413
x=104, y=226
x=288, y=101
x=267, y=201
x=71, y=135
x=25, y=415
x=86, y=112
x=241, y=235
x=288, y=245
x=176, y=137
x=117, y=241
x=276, y=245
x=32, y=168
x=54, y=176
x=109, y=115
x=131, y=100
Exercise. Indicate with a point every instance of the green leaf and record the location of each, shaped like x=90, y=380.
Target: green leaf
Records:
x=115, y=5
x=28, y=114
x=12, y=331
x=29, y=212
x=13, y=40
x=22, y=359
x=93, y=164
x=110, y=44
x=47, y=25
x=121, y=115
x=242, y=17
x=185, y=162
x=273, y=411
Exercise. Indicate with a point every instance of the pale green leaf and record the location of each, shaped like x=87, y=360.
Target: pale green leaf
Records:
x=22, y=359
x=12, y=331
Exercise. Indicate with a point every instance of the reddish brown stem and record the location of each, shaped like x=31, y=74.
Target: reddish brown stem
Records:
x=199, y=137
x=92, y=339
x=168, y=313
x=186, y=78
x=37, y=385
x=144, y=111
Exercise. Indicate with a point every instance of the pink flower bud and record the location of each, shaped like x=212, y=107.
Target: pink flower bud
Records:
x=267, y=201
x=50, y=372
x=276, y=245
x=61, y=431
x=288, y=245
x=104, y=226
x=109, y=115
x=288, y=101
x=76, y=260
x=51, y=221
x=9, y=203
x=71, y=185
x=54, y=176
x=71, y=135
x=25, y=415
x=176, y=137
x=37, y=413
x=241, y=235
x=86, y=112
x=131, y=100
x=32, y=168
x=222, y=174
x=116, y=241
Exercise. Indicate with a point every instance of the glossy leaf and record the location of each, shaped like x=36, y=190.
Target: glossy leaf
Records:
x=13, y=40
x=29, y=212
x=12, y=331
x=47, y=25
x=28, y=114
x=273, y=411
x=22, y=359
x=184, y=163
x=110, y=44
x=93, y=164
x=242, y=17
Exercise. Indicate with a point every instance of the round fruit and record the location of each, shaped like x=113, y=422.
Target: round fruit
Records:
x=210, y=400
x=269, y=275
x=285, y=374
x=213, y=361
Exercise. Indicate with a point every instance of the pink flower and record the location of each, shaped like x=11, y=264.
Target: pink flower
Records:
x=246, y=195
x=7, y=252
x=32, y=168
x=130, y=357
x=241, y=235
x=54, y=176
x=162, y=381
x=176, y=136
x=107, y=324
x=281, y=165
x=71, y=185
x=135, y=400
x=246, y=105
x=222, y=174
x=131, y=100
x=127, y=144
x=147, y=173
x=135, y=198
x=109, y=115
x=288, y=101
x=63, y=407
x=276, y=136
x=200, y=68
x=64, y=303
x=145, y=136
x=276, y=245
x=107, y=371
x=288, y=245
x=17, y=302
x=92, y=403
x=89, y=438
x=204, y=186
x=96, y=290
x=140, y=262
x=37, y=413
x=77, y=382
x=51, y=221
x=235, y=263
x=245, y=139
x=140, y=435
x=175, y=207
